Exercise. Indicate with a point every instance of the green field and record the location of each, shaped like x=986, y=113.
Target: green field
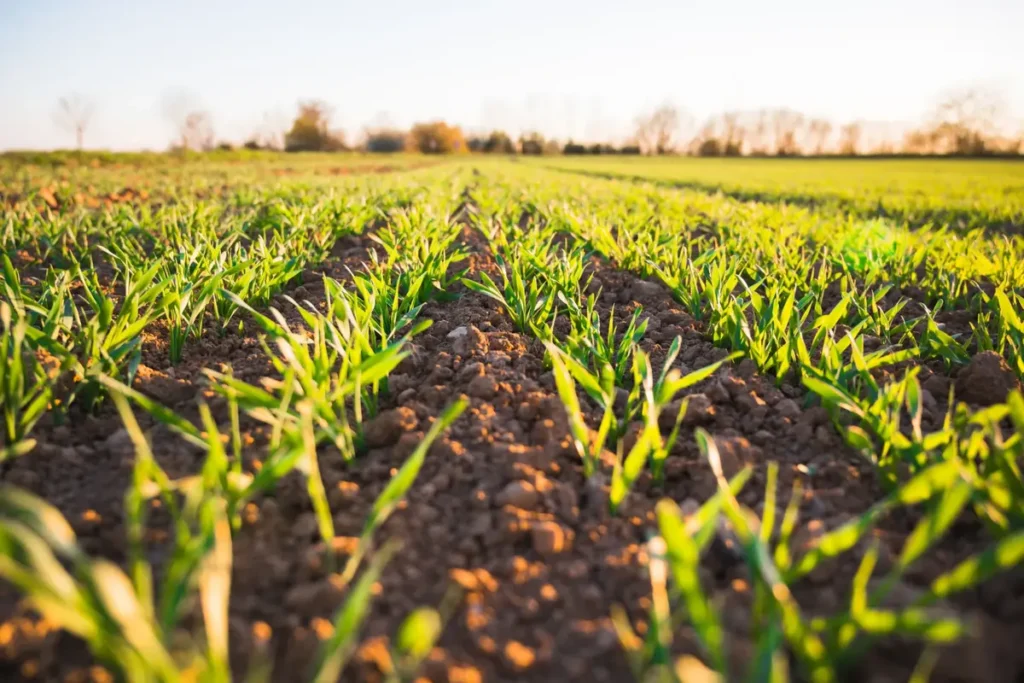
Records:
x=340, y=417
x=953, y=192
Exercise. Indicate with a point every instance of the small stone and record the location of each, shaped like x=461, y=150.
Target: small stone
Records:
x=549, y=538
x=520, y=494
x=788, y=408
x=460, y=331
x=388, y=427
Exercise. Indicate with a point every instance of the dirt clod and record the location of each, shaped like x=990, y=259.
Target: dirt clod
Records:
x=736, y=453
x=986, y=380
x=520, y=494
x=388, y=427
x=788, y=408
x=483, y=387
x=549, y=538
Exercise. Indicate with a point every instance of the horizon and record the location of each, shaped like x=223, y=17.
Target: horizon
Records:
x=570, y=70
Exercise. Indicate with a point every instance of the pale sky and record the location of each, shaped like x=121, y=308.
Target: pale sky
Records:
x=579, y=68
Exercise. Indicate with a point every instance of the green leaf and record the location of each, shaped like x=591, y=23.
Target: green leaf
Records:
x=684, y=561
x=1006, y=554
x=938, y=520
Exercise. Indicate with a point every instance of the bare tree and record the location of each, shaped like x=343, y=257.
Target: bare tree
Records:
x=966, y=120
x=818, y=131
x=733, y=134
x=197, y=131
x=759, y=133
x=785, y=125
x=193, y=125
x=721, y=135
x=706, y=142
x=849, y=138
x=73, y=114
x=270, y=134
x=657, y=131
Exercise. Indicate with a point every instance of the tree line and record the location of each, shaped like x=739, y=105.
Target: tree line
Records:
x=964, y=123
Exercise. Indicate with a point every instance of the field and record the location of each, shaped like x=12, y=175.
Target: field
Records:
x=936, y=192
x=309, y=418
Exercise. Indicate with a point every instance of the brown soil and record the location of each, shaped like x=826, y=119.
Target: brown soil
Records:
x=501, y=508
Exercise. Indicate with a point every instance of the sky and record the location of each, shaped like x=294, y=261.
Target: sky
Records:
x=570, y=68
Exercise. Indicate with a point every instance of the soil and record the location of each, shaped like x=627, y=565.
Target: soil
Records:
x=501, y=508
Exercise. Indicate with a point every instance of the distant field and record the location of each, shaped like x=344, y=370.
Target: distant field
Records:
x=965, y=193
x=65, y=179
x=96, y=159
